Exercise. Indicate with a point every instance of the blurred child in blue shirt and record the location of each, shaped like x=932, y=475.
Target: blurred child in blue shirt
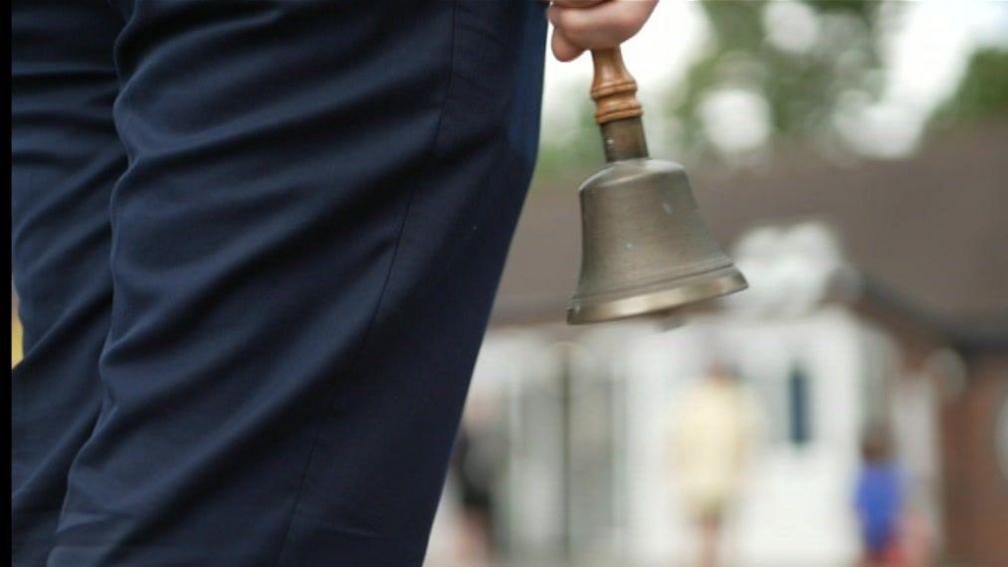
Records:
x=879, y=501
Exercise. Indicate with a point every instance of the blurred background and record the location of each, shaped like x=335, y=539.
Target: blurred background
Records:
x=853, y=158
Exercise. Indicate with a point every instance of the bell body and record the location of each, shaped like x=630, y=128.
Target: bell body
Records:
x=645, y=248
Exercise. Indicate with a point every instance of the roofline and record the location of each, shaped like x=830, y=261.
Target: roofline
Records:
x=971, y=334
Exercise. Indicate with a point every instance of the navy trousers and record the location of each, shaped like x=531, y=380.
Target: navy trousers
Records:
x=256, y=245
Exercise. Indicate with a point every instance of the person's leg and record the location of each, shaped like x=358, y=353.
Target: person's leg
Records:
x=710, y=539
x=65, y=158
x=305, y=249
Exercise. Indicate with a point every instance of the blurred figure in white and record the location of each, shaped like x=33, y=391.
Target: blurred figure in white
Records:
x=713, y=434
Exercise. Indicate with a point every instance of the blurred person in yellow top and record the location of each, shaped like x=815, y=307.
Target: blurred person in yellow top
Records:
x=714, y=430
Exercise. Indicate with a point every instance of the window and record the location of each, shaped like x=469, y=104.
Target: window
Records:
x=799, y=408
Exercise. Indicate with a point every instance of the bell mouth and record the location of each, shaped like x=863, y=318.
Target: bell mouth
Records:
x=663, y=296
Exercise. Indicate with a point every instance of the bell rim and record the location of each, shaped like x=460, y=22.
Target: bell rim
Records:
x=581, y=312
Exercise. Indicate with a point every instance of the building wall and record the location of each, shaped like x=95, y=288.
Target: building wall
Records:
x=801, y=512
x=976, y=482
x=796, y=508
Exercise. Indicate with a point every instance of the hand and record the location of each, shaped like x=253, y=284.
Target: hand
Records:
x=579, y=25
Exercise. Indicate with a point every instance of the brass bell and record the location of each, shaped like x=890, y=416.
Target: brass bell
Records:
x=645, y=249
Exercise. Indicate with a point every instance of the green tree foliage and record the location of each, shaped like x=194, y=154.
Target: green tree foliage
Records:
x=801, y=86
x=807, y=85
x=982, y=93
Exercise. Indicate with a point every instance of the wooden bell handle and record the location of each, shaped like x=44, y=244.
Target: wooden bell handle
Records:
x=613, y=87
